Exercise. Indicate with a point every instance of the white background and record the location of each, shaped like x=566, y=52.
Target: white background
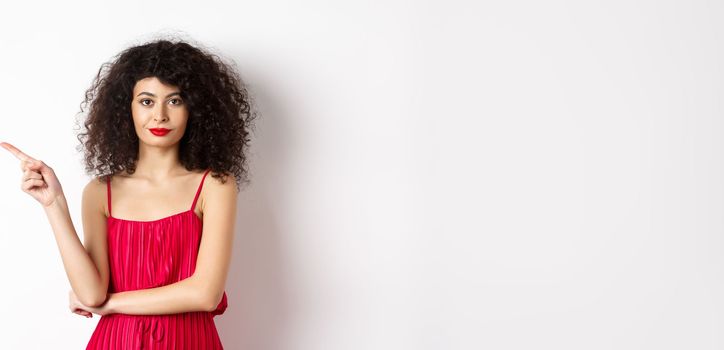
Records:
x=426, y=175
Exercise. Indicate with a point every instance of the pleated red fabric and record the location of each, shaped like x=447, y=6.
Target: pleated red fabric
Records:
x=148, y=254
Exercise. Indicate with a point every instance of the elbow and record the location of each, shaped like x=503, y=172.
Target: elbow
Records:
x=211, y=301
x=206, y=295
x=94, y=301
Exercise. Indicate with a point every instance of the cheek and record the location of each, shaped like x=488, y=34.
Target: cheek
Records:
x=184, y=121
x=182, y=128
x=137, y=124
x=136, y=115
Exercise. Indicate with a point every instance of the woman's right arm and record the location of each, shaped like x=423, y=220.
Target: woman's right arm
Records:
x=86, y=267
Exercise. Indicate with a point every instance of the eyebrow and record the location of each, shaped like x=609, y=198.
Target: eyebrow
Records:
x=150, y=94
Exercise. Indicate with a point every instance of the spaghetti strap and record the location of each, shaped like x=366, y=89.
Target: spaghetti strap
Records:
x=198, y=191
x=108, y=195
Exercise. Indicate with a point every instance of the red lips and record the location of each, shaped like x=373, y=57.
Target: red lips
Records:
x=159, y=131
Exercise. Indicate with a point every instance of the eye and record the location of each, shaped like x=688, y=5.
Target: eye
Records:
x=178, y=101
x=145, y=100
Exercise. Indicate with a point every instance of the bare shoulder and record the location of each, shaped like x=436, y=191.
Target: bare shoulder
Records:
x=94, y=194
x=94, y=188
x=217, y=191
x=224, y=181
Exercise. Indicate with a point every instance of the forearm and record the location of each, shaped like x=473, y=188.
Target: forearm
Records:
x=183, y=296
x=79, y=267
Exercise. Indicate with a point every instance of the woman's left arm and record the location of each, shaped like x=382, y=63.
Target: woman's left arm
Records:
x=203, y=290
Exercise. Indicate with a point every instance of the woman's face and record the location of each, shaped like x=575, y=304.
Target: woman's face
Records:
x=158, y=106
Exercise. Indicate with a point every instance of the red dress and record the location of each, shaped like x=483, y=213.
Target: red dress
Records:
x=148, y=254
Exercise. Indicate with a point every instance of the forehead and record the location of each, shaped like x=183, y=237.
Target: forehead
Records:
x=152, y=85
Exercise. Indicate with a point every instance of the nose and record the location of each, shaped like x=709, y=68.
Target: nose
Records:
x=160, y=116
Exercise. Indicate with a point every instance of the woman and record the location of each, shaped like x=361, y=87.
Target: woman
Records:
x=157, y=230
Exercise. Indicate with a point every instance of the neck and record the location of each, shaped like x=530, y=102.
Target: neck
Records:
x=158, y=163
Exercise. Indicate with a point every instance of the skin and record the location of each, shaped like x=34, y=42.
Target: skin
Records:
x=161, y=186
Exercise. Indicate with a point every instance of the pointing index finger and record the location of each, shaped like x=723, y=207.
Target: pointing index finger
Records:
x=16, y=152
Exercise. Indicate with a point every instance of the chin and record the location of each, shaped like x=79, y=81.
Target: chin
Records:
x=161, y=143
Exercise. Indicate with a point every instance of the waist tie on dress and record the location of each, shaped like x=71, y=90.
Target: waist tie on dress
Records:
x=146, y=325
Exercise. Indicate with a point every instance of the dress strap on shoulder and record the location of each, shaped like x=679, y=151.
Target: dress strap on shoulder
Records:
x=108, y=193
x=198, y=191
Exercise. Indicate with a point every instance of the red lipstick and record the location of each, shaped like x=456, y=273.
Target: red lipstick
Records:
x=159, y=131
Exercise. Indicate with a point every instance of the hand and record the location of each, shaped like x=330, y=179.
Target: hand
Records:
x=38, y=180
x=81, y=309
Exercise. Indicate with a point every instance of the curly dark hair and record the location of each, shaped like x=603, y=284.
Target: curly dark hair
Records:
x=219, y=106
